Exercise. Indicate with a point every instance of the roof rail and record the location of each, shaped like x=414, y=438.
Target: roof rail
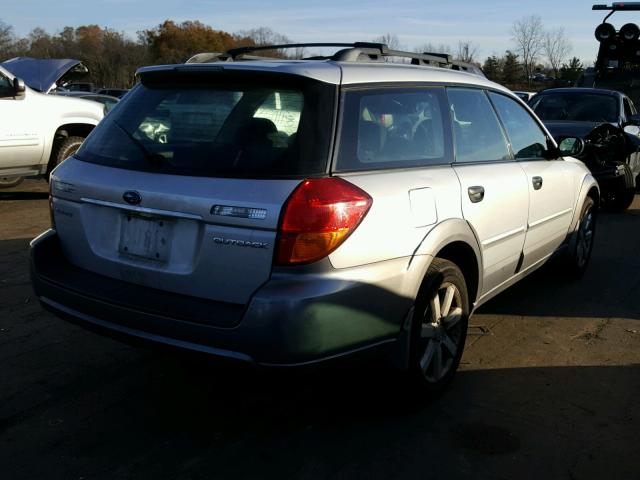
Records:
x=350, y=52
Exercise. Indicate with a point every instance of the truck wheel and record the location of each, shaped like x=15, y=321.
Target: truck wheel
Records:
x=8, y=182
x=65, y=149
x=579, y=253
x=439, y=327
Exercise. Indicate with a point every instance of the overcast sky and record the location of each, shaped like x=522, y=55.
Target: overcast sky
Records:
x=487, y=23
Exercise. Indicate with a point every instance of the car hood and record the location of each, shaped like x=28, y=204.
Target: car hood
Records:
x=570, y=129
x=40, y=74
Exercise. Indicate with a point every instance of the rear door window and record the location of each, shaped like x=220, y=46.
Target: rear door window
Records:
x=245, y=126
x=393, y=128
x=477, y=133
x=528, y=140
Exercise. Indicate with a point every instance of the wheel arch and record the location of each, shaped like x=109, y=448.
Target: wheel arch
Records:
x=454, y=240
x=589, y=188
x=462, y=254
x=75, y=129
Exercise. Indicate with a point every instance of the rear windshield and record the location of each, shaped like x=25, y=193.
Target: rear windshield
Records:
x=576, y=106
x=227, y=124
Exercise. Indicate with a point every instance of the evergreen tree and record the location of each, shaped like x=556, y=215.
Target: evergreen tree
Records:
x=511, y=68
x=491, y=68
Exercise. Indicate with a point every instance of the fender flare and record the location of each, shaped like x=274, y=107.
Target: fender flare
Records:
x=588, y=182
x=443, y=234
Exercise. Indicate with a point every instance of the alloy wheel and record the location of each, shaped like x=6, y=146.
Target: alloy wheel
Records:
x=441, y=332
x=585, y=238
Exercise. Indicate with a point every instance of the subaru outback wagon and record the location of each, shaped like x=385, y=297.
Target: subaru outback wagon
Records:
x=288, y=212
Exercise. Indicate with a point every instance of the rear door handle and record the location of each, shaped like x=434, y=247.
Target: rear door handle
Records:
x=476, y=193
x=537, y=183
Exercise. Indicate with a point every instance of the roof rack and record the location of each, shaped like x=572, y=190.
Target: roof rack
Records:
x=350, y=52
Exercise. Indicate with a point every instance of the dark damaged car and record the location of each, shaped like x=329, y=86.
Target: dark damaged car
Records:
x=609, y=125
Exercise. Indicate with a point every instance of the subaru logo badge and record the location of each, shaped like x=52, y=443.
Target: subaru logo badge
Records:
x=131, y=197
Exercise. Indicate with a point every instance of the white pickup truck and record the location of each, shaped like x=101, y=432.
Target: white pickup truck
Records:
x=37, y=130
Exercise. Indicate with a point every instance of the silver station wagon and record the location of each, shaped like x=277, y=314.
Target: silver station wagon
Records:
x=288, y=212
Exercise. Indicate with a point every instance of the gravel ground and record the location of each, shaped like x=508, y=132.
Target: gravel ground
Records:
x=548, y=388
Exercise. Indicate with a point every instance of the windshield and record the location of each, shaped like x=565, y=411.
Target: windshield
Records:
x=576, y=106
x=242, y=125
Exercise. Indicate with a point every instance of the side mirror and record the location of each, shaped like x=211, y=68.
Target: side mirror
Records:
x=571, y=147
x=18, y=87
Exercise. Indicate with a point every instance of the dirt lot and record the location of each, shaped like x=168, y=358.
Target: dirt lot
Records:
x=549, y=388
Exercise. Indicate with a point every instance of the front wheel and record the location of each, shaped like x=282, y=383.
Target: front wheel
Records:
x=580, y=250
x=439, y=327
x=621, y=200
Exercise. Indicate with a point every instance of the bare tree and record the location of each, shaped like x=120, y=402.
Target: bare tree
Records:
x=6, y=40
x=556, y=48
x=467, y=51
x=528, y=35
x=263, y=36
x=390, y=39
x=433, y=48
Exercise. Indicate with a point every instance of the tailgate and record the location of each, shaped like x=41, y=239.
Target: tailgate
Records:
x=204, y=237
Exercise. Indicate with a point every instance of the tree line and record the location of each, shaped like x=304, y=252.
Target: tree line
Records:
x=112, y=57
x=535, y=50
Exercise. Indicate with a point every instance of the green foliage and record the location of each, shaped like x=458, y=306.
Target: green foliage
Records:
x=492, y=68
x=571, y=71
x=511, y=68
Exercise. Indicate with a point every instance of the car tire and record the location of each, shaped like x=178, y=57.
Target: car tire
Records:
x=65, y=149
x=580, y=249
x=8, y=182
x=620, y=201
x=439, y=327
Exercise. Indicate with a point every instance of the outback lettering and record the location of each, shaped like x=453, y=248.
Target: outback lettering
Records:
x=239, y=243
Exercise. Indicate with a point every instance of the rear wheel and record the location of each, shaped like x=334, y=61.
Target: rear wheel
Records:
x=65, y=149
x=439, y=327
x=8, y=182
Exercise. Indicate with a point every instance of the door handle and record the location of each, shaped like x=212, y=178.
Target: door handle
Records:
x=476, y=194
x=537, y=183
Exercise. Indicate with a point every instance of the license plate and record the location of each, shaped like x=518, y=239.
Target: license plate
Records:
x=145, y=237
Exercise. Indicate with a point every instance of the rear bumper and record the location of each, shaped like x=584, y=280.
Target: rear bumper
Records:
x=291, y=320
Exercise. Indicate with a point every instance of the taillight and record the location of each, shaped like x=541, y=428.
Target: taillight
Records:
x=319, y=215
x=51, y=217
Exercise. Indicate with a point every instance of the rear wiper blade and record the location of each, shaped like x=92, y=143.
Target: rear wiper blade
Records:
x=150, y=156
